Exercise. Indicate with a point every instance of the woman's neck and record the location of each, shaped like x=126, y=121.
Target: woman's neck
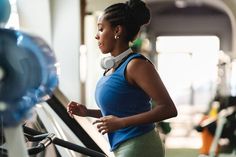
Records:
x=119, y=49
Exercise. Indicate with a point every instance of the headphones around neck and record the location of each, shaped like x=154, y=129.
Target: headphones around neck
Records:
x=110, y=61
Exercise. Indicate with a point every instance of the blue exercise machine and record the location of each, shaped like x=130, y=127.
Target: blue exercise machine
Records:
x=28, y=75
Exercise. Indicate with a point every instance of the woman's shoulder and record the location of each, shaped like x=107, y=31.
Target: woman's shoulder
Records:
x=136, y=55
x=138, y=67
x=139, y=61
x=138, y=58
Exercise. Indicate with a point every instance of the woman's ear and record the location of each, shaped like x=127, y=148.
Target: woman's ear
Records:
x=118, y=30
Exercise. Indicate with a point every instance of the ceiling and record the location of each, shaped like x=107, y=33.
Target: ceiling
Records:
x=176, y=17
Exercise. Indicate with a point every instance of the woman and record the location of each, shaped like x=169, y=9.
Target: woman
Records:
x=124, y=92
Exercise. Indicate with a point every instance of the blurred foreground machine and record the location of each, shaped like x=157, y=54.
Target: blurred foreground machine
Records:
x=28, y=75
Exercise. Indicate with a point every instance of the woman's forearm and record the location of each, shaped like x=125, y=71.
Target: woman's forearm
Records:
x=155, y=115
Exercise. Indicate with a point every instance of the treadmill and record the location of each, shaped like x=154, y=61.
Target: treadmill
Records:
x=51, y=132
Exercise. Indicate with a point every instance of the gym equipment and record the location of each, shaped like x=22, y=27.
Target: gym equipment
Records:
x=28, y=71
x=28, y=75
x=46, y=139
x=224, y=126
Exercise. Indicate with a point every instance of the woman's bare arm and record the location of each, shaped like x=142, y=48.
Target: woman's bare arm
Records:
x=74, y=108
x=143, y=74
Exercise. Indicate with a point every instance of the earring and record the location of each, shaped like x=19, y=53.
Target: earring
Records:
x=117, y=37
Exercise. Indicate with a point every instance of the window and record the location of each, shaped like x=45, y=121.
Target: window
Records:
x=188, y=67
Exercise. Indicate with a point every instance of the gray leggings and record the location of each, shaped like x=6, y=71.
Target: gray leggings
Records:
x=147, y=145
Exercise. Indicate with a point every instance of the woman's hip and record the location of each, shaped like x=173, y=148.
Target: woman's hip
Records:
x=146, y=145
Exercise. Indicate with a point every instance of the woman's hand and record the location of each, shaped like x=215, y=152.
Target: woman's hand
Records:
x=74, y=108
x=109, y=124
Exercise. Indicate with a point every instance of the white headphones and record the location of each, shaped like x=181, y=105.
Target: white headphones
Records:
x=109, y=62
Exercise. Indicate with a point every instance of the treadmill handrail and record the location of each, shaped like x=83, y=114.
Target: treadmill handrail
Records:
x=50, y=138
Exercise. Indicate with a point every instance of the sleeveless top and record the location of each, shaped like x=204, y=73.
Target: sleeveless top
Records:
x=116, y=96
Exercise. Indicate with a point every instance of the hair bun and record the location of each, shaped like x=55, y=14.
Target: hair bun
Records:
x=140, y=11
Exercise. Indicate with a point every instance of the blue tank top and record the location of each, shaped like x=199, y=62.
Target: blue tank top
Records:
x=116, y=96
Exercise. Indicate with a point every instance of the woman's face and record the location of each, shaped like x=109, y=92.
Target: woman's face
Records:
x=105, y=35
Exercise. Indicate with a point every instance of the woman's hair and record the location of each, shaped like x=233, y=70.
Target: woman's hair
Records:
x=132, y=15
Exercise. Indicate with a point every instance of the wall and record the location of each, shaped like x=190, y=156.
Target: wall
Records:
x=57, y=22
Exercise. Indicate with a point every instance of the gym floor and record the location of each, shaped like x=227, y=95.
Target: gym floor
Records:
x=183, y=140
